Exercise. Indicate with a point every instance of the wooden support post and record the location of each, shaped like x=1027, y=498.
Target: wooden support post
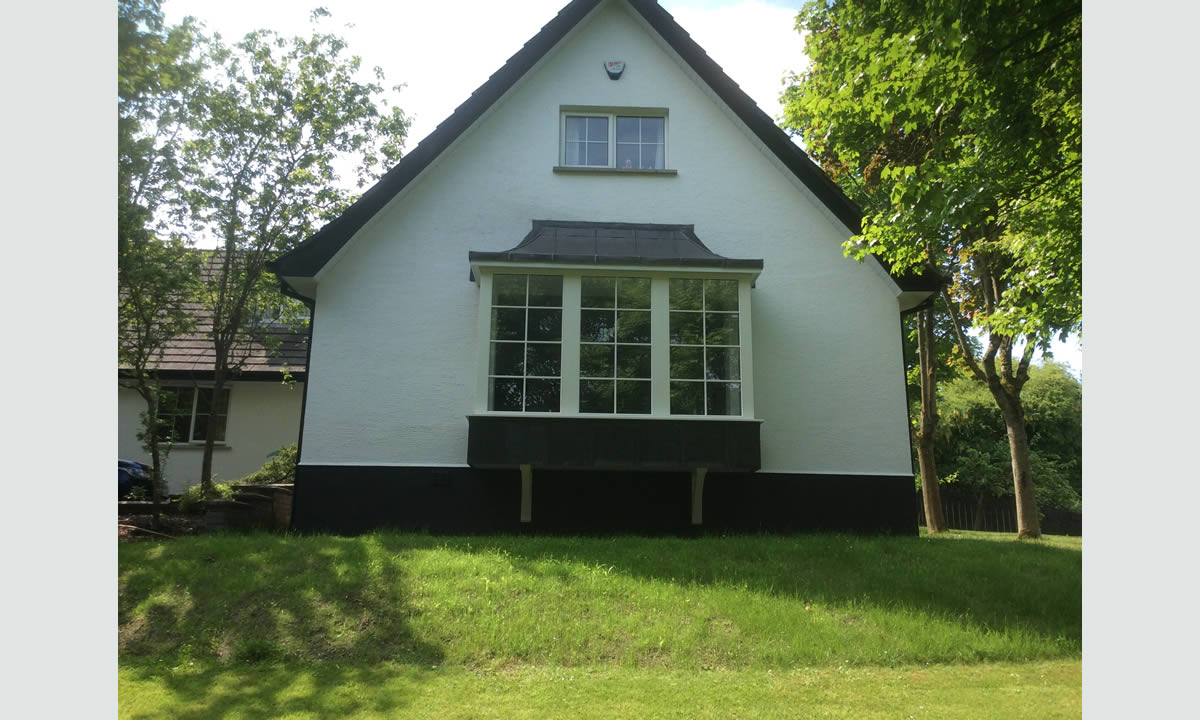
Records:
x=698, y=495
x=526, y=493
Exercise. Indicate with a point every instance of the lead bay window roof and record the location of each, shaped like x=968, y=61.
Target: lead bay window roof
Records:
x=626, y=244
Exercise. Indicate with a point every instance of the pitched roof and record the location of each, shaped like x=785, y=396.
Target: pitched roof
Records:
x=560, y=241
x=191, y=355
x=307, y=258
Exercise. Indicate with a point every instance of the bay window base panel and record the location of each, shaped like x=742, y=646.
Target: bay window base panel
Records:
x=612, y=443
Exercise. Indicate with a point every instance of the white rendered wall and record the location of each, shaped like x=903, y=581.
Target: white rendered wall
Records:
x=263, y=417
x=393, y=359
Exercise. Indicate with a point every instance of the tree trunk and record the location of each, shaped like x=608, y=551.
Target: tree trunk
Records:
x=935, y=521
x=1029, y=525
x=206, y=484
x=978, y=524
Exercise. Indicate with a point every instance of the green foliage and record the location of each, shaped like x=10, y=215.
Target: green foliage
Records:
x=191, y=501
x=958, y=127
x=971, y=445
x=280, y=468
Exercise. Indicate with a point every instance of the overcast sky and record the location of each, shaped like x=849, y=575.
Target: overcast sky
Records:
x=442, y=51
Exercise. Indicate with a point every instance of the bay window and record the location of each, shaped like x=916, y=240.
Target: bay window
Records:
x=616, y=342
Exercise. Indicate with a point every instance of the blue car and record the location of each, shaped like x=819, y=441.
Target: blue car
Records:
x=131, y=474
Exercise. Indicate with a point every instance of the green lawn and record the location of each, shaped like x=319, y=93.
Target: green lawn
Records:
x=813, y=626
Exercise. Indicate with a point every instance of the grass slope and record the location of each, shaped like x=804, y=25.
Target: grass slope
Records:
x=413, y=619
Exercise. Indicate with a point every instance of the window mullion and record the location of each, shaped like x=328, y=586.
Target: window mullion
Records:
x=192, y=419
x=746, y=357
x=569, y=364
x=660, y=360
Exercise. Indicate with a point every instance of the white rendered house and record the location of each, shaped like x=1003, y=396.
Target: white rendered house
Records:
x=607, y=293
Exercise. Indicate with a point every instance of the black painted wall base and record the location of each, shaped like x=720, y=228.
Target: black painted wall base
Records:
x=352, y=500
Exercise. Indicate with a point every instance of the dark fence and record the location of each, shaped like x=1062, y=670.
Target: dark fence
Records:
x=993, y=514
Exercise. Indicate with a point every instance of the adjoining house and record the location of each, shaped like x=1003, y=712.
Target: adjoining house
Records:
x=257, y=413
x=606, y=294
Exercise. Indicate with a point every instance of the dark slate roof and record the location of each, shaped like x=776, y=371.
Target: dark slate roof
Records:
x=192, y=355
x=557, y=241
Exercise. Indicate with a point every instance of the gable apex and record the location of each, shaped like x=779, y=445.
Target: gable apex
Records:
x=311, y=255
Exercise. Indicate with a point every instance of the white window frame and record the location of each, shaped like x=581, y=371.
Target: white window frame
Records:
x=228, y=390
x=659, y=336
x=612, y=114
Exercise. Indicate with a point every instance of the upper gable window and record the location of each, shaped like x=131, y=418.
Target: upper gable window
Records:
x=614, y=140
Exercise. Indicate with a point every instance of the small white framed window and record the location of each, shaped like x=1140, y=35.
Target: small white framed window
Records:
x=625, y=140
x=188, y=414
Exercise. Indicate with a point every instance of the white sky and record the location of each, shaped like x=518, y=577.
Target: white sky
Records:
x=442, y=51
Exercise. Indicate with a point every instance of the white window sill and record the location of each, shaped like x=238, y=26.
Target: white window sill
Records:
x=197, y=446
x=583, y=170
x=616, y=416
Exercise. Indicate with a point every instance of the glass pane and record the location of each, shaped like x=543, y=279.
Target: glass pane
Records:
x=724, y=398
x=634, y=293
x=652, y=129
x=222, y=402
x=721, y=295
x=597, y=292
x=627, y=156
x=652, y=157
x=182, y=428
x=545, y=290
x=199, y=428
x=633, y=361
x=541, y=395
x=573, y=154
x=722, y=328
x=507, y=359
x=596, y=361
x=508, y=290
x=597, y=129
x=687, y=398
x=542, y=359
x=633, y=396
x=687, y=362
x=686, y=328
x=596, y=396
x=545, y=324
x=597, y=154
x=508, y=324
x=504, y=394
x=627, y=129
x=633, y=326
x=686, y=294
x=204, y=400
x=216, y=425
x=596, y=325
x=575, y=128
x=723, y=364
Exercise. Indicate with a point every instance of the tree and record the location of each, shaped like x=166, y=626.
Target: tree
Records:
x=965, y=120
x=157, y=74
x=929, y=337
x=258, y=170
x=972, y=448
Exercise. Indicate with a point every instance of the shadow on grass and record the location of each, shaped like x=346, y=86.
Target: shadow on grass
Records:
x=995, y=585
x=195, y=614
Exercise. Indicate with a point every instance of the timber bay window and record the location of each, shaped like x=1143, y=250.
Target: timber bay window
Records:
x=614, y=345
x=614, y=140
x=705, y=347
x=525, y=358
x=190, y=414
x=623, y=342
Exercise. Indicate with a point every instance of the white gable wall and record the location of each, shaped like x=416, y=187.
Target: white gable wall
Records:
x=393, y=358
